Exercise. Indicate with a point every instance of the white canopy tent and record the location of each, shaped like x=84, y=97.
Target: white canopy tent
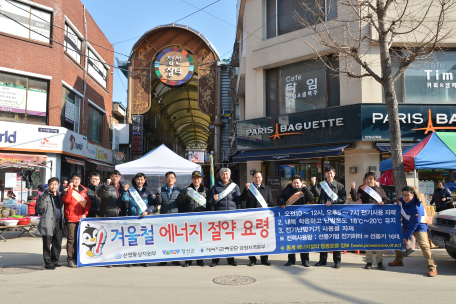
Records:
x=155, y=164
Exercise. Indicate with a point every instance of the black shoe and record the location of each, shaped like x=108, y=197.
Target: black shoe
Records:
x=200, y=264
x=320, y=263
x=213, y=264
x=109, y=266
x=267, y=263
x=161, y=264
x=252, y=264
x=380, y=266
x=176, y=263
x=56, y=264
x=233, y=264
x=289, y=263
x=49, y=266
x=185, y=265
x=337, y=265
x=305, y=264
x=130, y=265
x=368, y=266
x=145, y=265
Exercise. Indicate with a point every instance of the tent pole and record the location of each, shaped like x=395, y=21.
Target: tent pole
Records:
x=414, y=177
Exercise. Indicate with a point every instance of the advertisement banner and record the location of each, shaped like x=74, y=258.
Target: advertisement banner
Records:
x=69, y=110
x=204, y=235
x=99, y=153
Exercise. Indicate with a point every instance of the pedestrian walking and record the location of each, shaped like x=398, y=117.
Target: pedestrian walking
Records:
x=370, y=193
x=329, y=192
x=442, y=198
x=225, y=195
x=296, y=193
x=52, y=223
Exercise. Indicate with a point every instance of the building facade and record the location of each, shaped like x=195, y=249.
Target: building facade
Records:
x=297, y=116
x=56, y=88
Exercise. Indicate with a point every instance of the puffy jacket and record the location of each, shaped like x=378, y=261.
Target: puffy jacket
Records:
x=289, y=191
x=336, y=187
x=187, y=204
x=110, y=202
x=73, y=209
x=31, y=208
x=230, y=202
x=95, y=199
x=168, y=205
x=130, y=205
x=252, y=202
x=366, y=198
x=415, y=210
x=437, y=199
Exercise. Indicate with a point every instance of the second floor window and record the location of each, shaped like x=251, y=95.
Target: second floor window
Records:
x=23, y=99
x=97, y=69
x=73, y=44
x=95, y=124
x=25, y=21
x=70, y=110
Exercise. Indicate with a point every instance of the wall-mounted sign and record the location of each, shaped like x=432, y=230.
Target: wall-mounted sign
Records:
x=119, y=156
x=99, y=153
x=174, y=66
x=137, y=133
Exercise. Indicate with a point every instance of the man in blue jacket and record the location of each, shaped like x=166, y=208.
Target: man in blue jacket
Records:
x=414, y=223
x=225, y=195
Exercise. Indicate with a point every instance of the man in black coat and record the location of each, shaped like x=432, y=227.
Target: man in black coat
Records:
x=188, y=204
x=252, y=202
x=111, y=196
x=442, y=198
x=92, y=189
x=230, y=201
x=296, y=186
x=324, y=198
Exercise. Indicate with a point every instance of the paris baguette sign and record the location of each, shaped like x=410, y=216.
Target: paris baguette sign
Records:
x=360, y=122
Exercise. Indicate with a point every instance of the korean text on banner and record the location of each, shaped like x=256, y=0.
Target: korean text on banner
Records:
x=202, y=235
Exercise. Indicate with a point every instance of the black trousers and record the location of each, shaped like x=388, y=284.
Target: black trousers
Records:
x=337, y=256
x=189, y=262
x=52, y=245
x=304, y=257
x=264, y=258
x=230, y=260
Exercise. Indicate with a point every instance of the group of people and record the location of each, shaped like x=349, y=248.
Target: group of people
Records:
x=63, y=208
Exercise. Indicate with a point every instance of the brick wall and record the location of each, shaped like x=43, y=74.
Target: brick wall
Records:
x=50, y=59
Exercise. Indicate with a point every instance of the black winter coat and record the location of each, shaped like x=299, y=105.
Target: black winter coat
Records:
x=437, y=199
x=94, y=199
x=366, y=198
x=187, y=204
x=252, y=202
x=336, y=187
x=110, y=202
x=168, y=205
x=289, y=191
x=230, y=202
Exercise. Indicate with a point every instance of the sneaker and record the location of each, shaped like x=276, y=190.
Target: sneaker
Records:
x=432, y=273
x=396, y=263
x=380, y=266
x=368, y=266
x=72, y=264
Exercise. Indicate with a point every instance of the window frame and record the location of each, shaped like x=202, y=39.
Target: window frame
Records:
x=79, y=36
x=99, y=59
x=79, y=100
x=92, y=107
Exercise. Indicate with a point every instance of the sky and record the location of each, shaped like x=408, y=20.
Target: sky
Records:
x=123, y=20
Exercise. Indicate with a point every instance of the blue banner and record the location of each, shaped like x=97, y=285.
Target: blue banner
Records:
x=216, y=234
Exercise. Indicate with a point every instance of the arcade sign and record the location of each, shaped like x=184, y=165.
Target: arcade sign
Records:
x=174, y=66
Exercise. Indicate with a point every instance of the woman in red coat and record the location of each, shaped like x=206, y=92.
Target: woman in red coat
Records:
x=77, y=206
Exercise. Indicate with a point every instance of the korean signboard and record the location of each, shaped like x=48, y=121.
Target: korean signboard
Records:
x=137, y=133
x=100, y=153
x=174, y=66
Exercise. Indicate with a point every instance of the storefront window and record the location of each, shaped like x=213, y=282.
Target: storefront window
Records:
x=303, y=86
x=23, y=99
x=70, y=110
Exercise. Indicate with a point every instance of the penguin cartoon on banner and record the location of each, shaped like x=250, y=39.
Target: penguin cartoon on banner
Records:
x=94, y=239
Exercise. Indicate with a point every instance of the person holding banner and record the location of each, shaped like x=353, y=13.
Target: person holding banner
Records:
x=111, y=193
x=92, y=189
x=193, y=199
x=414, y=223
x=167, y=200
x=257, y=195
x=329, y=192
x=225, y=195
x=77, y=206
x=296, y=193
x=370, y=193
x=138, y=200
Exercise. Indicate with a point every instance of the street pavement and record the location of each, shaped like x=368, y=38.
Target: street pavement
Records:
x=173, y=284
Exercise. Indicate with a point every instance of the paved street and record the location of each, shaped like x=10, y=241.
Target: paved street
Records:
x=173, y=284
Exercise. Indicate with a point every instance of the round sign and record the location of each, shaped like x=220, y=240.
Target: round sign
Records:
x=119, y=155
x=174, y=66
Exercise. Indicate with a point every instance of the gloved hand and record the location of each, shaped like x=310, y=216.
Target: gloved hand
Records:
x=185, y=191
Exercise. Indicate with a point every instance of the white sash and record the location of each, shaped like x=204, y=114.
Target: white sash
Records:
x=258, y=195
x=226, y=191
x=328, y=190
x=196, y=197
x=139, y=201
x=407, y=217
x=372, y=193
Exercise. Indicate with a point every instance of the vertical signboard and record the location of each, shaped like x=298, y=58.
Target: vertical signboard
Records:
x=137, y=131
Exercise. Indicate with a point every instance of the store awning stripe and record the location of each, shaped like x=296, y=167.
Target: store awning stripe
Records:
x=74, y=161
x=285, y=154
x=386, y=147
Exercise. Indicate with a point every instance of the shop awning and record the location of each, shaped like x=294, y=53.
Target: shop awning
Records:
x=386, y=147
x=285, y=154
x=74, y=161
x=101, y=166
